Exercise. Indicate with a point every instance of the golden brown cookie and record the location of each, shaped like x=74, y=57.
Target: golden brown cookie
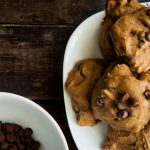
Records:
x=114, y=10
x=79, y=85
x=121, y=99
x=124, y=140
x=118, y=8
x=131, y=39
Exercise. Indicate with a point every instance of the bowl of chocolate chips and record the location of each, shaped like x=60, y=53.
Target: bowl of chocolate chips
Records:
x=24, y=125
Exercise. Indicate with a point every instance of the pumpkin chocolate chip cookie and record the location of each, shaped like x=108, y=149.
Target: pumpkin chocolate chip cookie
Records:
x=132, y=33
x=114, y=10
x=118, y=8
x=121, y=99
x=124, y=140
x=79, y=85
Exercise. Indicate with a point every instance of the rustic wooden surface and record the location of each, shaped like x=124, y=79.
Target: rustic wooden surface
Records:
x=33, y=36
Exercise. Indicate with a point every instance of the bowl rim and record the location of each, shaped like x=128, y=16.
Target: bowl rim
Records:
x=42, y=110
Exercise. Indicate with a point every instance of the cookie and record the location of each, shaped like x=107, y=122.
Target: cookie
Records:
x=118, y=8
x=121, y=99
x=114, y=10
x=131, y=39
x=124, y=140
x=79, y=85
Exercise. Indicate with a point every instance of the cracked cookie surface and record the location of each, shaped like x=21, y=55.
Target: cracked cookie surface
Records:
x=114, y=10
x=121, y=99
x=132, y=33
x=79, y=85
x=124, y=140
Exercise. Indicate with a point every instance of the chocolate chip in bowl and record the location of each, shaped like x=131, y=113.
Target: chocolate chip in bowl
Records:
x=14, y=136
x=27, y=126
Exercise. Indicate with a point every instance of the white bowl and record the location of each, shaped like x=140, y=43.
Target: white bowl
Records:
x=20, y=110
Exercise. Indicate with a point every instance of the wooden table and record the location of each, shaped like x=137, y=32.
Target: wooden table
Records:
x=33, y=36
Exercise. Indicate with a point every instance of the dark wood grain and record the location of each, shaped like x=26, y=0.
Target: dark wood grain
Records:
x=68, y=12
x=31, y=60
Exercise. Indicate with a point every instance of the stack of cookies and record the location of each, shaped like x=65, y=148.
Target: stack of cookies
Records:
x=117, y=92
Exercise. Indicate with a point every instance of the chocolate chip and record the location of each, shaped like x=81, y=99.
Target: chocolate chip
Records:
x=141, y=36
x=21, y=146
x=35, y=145
x=29, y=140
x=22, y=138
x=9, y=128
x=4, y=146
x=128, y=100
x=100, y=100
x=100, y=103
x=132, y=102
x=147, y=94
x=18, y=139
x=2, y=137
x=140, y=44
x=17, y=128
x=133, y=32
x=134, y=144
x=11, y=138
x=125, y=97
x=147, y=36
x=12, y=147
x=0, y=125
x=28, y=132
x=123, y=114
x=20, y=132
x=148, y=12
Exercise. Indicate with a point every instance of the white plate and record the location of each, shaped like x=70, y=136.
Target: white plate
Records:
x=84, y=43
